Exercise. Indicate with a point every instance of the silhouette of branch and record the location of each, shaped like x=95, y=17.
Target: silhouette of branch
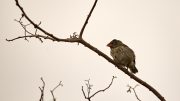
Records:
x=23, y=26
x=42, y=90
x=89, y=88
x=82, y=41
x=52, y=91
x=133, y=88
x=84, y=26
x=30, y=36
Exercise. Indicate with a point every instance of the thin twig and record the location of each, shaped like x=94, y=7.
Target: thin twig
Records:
x=42, y=90
x=34, y=24
x=104, y=88
x=133, y=88
x=52, y=91
x=30, y=36
x=89, y=87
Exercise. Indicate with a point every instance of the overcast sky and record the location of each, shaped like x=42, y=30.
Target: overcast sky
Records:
x=150, y=27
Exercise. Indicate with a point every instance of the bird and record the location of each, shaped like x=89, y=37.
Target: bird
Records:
x=123, y=55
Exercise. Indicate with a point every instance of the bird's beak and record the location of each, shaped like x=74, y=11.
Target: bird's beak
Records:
x=109, y=45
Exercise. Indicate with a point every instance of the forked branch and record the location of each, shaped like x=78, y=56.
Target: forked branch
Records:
x=42, y=90
x=133, y=88
x=52, y=91
x=79, y=39
x=89, y=88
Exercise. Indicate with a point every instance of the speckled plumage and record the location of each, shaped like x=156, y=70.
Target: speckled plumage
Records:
x=123, y=55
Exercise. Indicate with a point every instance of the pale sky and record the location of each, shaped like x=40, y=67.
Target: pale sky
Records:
x=150, y=27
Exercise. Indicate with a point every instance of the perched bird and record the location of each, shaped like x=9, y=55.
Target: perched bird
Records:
x=123, y=55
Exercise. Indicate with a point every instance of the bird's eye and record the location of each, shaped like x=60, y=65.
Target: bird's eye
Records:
x=113, y=43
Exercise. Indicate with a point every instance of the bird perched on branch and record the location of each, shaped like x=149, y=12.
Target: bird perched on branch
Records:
x=123, y=55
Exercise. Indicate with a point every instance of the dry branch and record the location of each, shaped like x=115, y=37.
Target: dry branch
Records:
x=52, y=91
x=87, y=19
x=42, y=90
x=82, y=41
x=133, y=88
x=89, y=88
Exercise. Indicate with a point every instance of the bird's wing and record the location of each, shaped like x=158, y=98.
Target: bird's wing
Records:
x=129, y=52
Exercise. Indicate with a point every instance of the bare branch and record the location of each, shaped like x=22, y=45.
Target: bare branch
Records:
x=33, y=23
x=46, y=37
x=52, y=91
x=30, y=36
x=89, y=15
x=80, y=40
x=37, y=29
x=26, y=31
x=104, y=88
x=153, y=90
x=24, y=27
x=89, y=87
x=84, y=93
x=73, y=38
x=42, y=90
x=133, y=88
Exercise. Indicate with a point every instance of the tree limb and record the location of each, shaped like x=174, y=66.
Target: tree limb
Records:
x=80, y=40
x=89, y=15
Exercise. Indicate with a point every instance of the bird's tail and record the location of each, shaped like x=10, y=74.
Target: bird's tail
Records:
x=133, y=69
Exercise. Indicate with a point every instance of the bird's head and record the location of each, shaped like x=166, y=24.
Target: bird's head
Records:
x=114, y=43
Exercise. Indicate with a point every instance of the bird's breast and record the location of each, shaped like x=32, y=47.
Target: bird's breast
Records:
x=118, y=53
